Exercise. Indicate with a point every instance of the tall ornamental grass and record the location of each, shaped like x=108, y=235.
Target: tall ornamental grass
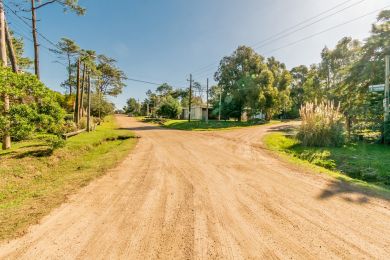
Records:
x=322, y=125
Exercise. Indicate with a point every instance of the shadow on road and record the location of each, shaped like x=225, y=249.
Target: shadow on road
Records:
x=143, y=128
x=343, y=189
x=288, y=129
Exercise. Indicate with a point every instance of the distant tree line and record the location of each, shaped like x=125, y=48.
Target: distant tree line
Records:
x=250, y=84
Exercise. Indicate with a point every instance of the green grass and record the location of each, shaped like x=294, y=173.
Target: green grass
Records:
x=197, y=125
x=367, y=165
x=34, y=180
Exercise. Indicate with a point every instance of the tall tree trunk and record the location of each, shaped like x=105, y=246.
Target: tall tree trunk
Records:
x=77, y=103
x=11, y=49
x=35, y=39
x=89, y=104
x=3, y=62
x=70, y=75
x=82, y=91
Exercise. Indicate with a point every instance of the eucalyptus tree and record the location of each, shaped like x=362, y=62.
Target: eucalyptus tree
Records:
x=67, y=49
x=110, y=80
x=33, y=7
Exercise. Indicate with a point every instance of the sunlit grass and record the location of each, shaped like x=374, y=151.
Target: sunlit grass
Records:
x=361, y=163
x=33, y=182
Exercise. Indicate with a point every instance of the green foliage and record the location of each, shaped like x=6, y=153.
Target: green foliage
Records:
x=251, y=84
x=33, y=107
x=321, y=125
x=35, y=177
x=368, y=162
x=169, y=107
x=343, y=76
x=100, y=107
x=132, y=107
x=110, y=79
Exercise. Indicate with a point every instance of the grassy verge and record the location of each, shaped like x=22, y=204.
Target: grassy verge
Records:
x=34, y=180
x=366, y=165
x=197, y=125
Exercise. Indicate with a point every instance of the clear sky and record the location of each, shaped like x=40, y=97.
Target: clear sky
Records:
x=166, y=40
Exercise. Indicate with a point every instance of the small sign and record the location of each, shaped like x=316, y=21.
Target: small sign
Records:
x=377, y=88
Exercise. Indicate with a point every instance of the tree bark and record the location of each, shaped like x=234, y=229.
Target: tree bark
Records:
x=70, y=75
x=35, y=39
x=3, y=62
x=89, y=104
x=77, y=102
x=11, y=50
x=82, y=91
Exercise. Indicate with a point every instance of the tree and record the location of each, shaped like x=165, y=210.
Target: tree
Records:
x=110, y=79
x=68, y=48
x=282, y=83
x=298, y=79
x=100, y=106
x=164, y=90
x=242, y=66
x=132, y=107
x=251, y=84
x=33, y=107
x=68, y=5
x=169, y=108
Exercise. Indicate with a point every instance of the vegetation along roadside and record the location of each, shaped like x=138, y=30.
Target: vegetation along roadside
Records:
x=34, y=179
x=362, y=164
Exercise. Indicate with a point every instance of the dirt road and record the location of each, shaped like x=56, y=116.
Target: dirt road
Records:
x=200, y=195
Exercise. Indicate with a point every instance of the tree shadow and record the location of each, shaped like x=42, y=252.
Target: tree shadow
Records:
x=143, y=128
x=35, y=153
x=287, y=129
x=344, y=190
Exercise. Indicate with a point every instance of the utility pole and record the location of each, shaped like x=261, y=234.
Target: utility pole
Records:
x=220, y=104
x=207, y=101
x=190, y=99
x=89, y=104
x=387, y=98
x=3, y=63
x=35, y=39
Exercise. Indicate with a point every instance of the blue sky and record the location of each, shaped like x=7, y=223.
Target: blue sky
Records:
x=164, y=41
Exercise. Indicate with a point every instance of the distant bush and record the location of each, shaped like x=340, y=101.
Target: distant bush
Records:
x=322, y=125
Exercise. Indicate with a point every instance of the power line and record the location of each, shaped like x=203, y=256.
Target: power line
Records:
x=326, y=30
x=323, y=31
x=29, y=25
x=149, y=82
x=143, y=81
x=286, y=32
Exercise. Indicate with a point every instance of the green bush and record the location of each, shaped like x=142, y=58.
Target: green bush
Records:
x=322, y=125
x=33, y=106
x=53, y=141
x=169, y=108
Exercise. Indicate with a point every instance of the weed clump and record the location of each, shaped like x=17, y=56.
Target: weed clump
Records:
x=322, y=125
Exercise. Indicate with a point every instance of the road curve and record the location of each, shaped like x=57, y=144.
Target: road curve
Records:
x=209, y=195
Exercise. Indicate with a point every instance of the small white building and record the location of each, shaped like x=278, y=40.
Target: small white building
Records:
x=198, y=112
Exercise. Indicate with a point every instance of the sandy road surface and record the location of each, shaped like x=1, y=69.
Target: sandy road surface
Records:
x=199, y=195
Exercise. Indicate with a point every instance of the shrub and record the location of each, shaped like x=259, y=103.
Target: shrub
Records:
x=33, y=108
x=169, y=108
x=322, y=125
